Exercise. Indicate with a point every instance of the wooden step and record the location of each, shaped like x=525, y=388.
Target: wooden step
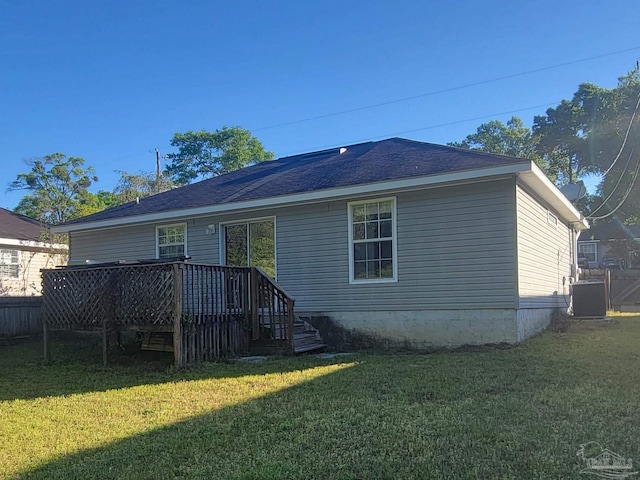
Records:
x=310, y=348
x=302, y=328
x=307, y=341
x=158, y=342
x=307, y=337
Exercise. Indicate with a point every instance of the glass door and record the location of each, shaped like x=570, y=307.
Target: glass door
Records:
x=251, y=244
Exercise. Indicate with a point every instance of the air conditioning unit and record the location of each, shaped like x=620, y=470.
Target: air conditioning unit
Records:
x=588, y=299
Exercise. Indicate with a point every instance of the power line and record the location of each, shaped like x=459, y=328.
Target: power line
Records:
x=615, y=187
x=626, y=136
x=625, y=196
x=445, y=90
x=430, y=127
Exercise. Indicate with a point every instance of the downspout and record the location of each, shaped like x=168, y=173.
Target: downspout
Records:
x=575, y=235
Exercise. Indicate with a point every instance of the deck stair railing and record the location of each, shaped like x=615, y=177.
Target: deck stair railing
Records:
x=272, y=313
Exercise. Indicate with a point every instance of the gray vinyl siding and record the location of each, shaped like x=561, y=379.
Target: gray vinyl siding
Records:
x=544, y=255
x=139, y=242
x=456, y=250
x=113, y=244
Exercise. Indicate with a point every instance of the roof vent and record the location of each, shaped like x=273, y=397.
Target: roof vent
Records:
x=342, y=150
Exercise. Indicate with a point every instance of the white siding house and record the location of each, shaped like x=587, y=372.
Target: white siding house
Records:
x=23, y=254
x=409, y=243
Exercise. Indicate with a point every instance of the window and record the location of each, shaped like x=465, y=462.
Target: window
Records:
x=172, y=241
x=589, y=251
x=552, y=218
x=9, y=263
x=372, y=254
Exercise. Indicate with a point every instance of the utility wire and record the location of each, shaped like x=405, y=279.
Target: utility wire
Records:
x=430, y=127
x=615, y=186
x=624, y=197
x=445, y=90
x=626, y=136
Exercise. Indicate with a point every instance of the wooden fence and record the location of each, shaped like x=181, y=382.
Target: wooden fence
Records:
x=20, y=316
x=616, y=283
x=212, y=310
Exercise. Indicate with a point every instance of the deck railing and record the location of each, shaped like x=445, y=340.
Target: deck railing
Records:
x=212, y=310
x=216, y=316
x=272, y=311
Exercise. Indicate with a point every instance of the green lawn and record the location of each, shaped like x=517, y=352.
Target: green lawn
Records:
x=518, y=413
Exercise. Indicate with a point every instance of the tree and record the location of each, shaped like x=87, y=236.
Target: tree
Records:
x=511, y=139
x=206, y=154
x=57, y=184
x=144, y=184
x=598, y=131
x=96, y=202
x=562, y=135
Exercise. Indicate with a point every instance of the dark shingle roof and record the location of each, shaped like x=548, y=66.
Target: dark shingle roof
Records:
x=364, y=163
x=610, y=231
x=19, y=227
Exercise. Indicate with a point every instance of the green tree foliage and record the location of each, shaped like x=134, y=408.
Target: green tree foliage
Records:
x=598, y=131
x=563, y=132
x=96, y=202
x=57, y=184
x=512, y=139
x=206, y=154
x=131, y=186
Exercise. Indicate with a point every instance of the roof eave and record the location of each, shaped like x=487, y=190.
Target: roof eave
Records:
x=33, y=245
x=526, y=170
x=535, y=179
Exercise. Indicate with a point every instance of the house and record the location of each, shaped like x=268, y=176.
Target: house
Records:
x=23, y=253
x=612, y=240
x=405, y=242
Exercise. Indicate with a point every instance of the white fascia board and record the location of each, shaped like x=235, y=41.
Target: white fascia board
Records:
x=540, y=183
x=14, y=242
x=307, y=197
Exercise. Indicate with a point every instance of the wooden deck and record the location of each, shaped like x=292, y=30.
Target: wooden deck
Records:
x=212, y=311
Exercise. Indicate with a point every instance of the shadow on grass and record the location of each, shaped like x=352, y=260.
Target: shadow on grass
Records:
x=77, y=368
x=468, y=415
x=406, y=416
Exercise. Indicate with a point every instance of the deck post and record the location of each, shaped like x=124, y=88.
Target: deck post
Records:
x=255, y=305
x=290, y=319
x=105, y=344
x=246, y=306
x=46, y=341
x=177, y=315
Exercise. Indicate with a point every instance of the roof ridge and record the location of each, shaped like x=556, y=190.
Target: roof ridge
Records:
x=326, y=151
x=356, y=164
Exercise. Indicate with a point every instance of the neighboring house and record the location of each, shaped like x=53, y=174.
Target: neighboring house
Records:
x=23, y=254
x=412, y=243
x=612, y=240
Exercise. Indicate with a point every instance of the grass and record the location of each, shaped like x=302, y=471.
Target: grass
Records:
x=514, y=413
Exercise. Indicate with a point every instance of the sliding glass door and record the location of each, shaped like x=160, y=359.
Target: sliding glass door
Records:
x=251, y=243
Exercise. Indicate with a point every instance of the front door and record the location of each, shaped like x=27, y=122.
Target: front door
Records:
x=251, y=244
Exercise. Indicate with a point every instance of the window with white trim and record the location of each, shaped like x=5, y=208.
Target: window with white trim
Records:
x=9, y=263
x=171, y=240
x=589, y=251
x=372, y=240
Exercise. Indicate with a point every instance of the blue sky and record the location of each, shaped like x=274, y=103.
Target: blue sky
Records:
x=111, y=81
